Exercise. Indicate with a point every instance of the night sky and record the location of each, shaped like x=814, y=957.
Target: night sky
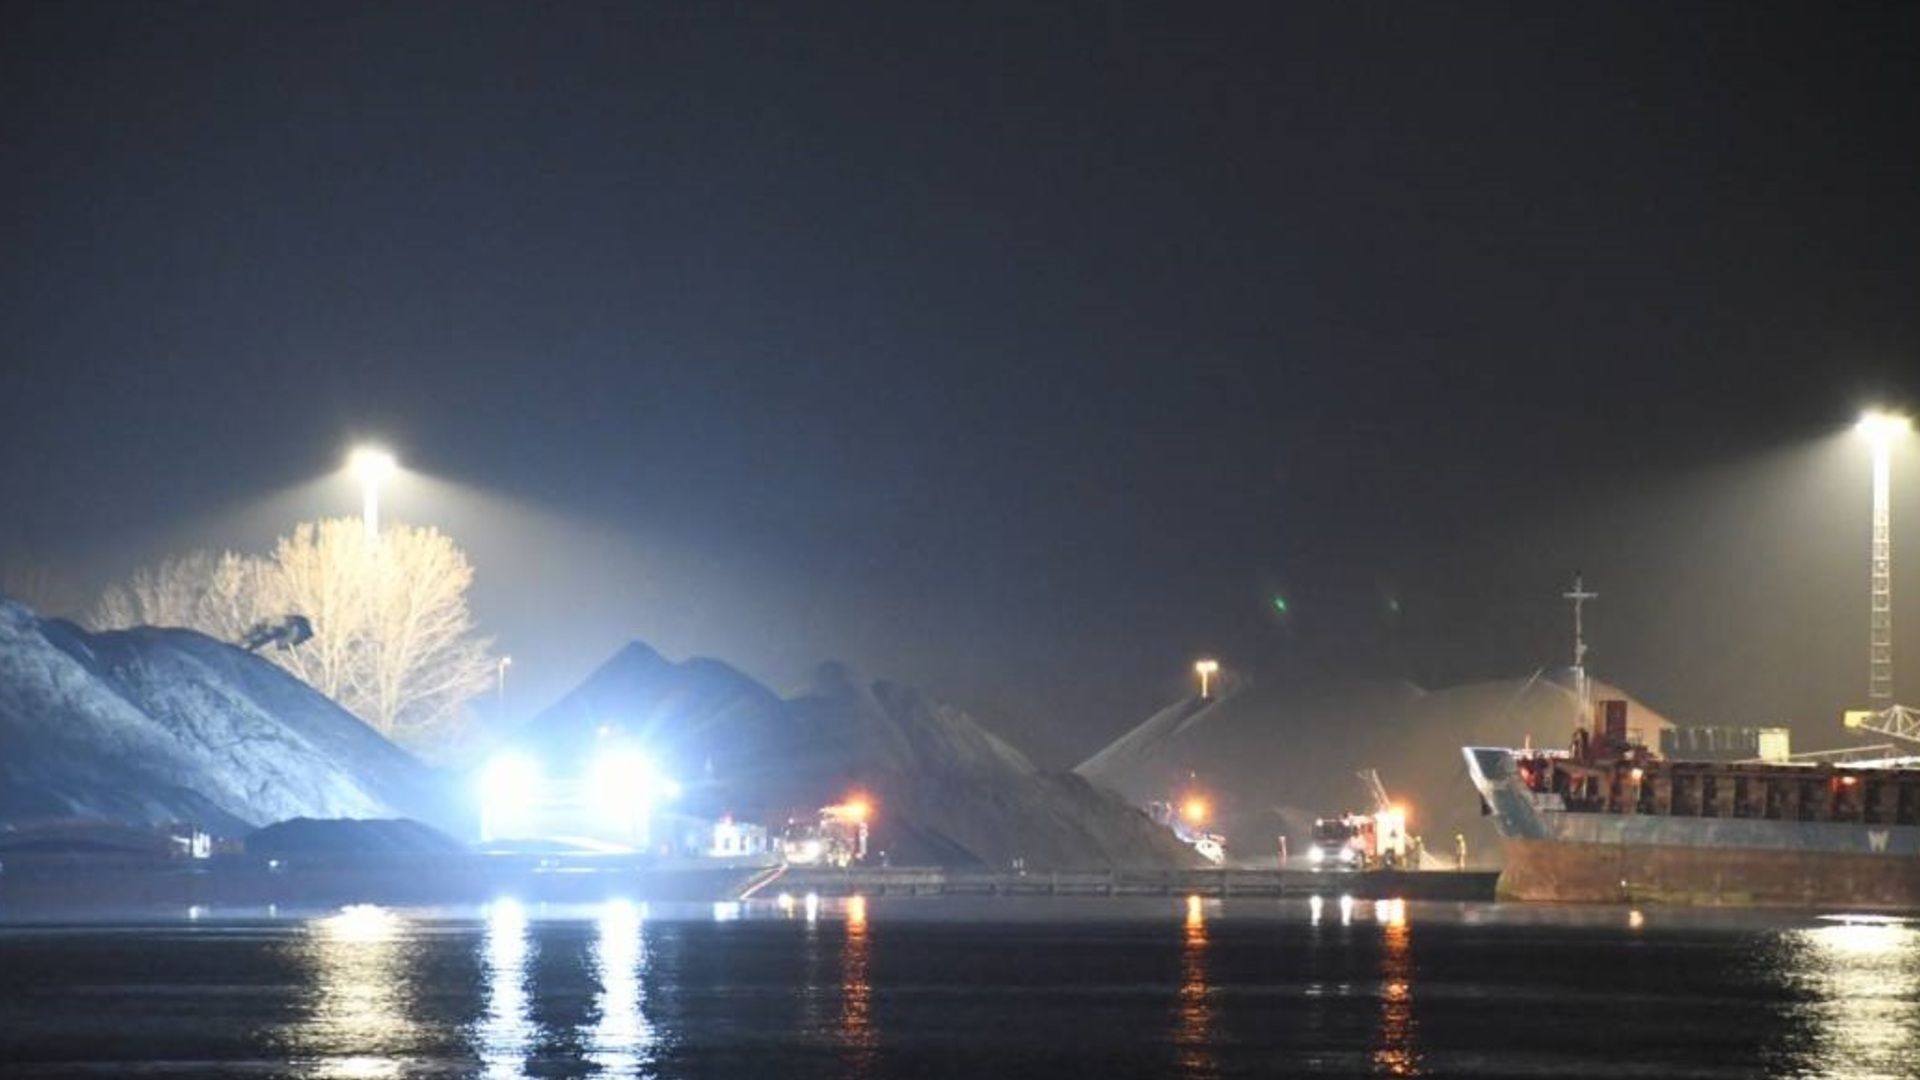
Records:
x=1024, y=355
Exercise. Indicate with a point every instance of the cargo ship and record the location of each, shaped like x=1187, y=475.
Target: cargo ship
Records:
x=1607, y=819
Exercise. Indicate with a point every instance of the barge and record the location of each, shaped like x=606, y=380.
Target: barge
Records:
x=1608, y=819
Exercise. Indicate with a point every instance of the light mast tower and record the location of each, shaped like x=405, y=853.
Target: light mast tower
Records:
x=1881, y=430
x=1883, y=714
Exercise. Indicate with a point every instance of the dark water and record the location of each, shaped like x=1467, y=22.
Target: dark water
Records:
x=1006, y=988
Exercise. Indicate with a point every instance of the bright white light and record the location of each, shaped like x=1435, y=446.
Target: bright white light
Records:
x=512, y=777
x=360, y=923
x=623, y=783
x=372, y=464
x=1883, y=427
x=508, y=786
x=1316, y=855
x=623, y=787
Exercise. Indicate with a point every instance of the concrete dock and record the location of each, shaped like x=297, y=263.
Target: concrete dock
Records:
x=935, y=881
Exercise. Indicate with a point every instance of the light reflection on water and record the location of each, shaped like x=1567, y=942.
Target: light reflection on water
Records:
x=1859, y=984
x=621, y=1042
x=806, y=989
x=1395, y=1053
x=858, y=1037
x=506, y=1032
x=361, y=999
x=1193, y=1017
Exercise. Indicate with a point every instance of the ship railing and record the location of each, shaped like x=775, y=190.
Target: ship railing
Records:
x=1850, y=755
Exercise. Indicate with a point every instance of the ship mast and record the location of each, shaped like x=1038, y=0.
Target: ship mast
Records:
x=1578, y=597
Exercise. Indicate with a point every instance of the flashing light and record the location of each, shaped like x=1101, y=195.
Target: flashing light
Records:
x=1194, y=810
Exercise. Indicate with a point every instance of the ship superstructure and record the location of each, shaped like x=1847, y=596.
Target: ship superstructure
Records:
x=1609, y=819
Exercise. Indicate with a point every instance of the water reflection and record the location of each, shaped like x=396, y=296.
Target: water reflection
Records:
x=1394, y=1051
x=507, y=1030
x=621, y=1043
x=361, y=995
x=857, y=1034
x=1193, y=1017
x=1859, y=991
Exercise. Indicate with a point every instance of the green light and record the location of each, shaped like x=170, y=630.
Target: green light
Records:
x=1280, y=604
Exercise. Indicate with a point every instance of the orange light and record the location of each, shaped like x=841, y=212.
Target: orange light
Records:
x=856, y=809
x=1638, y=775
x=1194, y=810
x=1849, y=780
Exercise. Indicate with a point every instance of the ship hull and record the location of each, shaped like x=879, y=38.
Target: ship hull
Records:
x=1556, y=855
x=1634, y=873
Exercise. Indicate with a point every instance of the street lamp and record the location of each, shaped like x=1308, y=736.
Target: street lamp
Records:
x=500, y=689
x=1206, y=669
x=373, y=466
x=1882, y=430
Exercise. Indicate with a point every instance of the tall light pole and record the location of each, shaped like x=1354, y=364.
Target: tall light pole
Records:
x=1206, y=669
x=500, y=690
x=373, y=466
x=1882, y=430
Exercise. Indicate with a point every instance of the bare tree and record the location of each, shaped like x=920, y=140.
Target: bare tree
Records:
x=46, y=588
x=218, y=595
x=393, y=641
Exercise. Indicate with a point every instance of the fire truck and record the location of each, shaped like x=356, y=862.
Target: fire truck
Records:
x=1376, y=841
x=838, y=837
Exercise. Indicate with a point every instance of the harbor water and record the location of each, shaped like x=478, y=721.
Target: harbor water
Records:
x=792, y=986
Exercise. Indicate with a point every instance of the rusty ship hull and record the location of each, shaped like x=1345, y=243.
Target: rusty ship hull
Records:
x=1702, y=833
